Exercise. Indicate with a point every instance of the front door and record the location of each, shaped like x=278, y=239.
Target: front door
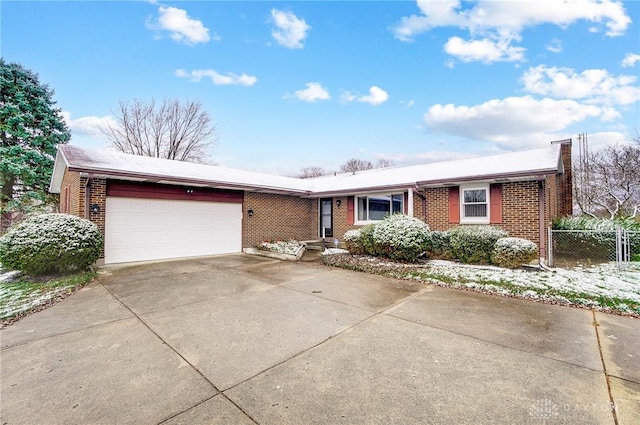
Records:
x=326, y=217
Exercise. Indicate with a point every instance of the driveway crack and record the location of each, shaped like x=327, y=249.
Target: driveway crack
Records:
x=614, y=409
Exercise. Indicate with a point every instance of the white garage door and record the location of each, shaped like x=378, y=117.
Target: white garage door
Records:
x=155, y=229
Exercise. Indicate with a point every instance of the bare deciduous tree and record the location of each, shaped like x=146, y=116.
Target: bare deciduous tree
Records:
x=353, y=165
x=309, y=172
x=173, y=129
x=612, y=188
x=384, y=163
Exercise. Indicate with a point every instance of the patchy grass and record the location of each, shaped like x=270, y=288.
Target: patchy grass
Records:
x=602, y=287
x=21, y=295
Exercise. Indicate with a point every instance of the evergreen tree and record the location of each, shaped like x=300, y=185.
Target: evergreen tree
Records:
x=30, y=128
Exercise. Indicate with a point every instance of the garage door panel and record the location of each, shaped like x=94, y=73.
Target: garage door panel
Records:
x=150, y=229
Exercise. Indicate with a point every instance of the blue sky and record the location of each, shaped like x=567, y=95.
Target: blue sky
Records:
x=297, y=84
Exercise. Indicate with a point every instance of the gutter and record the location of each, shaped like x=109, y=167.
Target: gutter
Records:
x=535, y=174
x=87, y=192
x=541, y=211
x=187, y=181
x=424, y=201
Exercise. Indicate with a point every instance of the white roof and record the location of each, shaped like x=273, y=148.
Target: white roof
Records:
x=520, y=165
x=141, y=168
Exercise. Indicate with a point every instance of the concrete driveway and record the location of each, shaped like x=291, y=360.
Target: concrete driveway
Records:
x=245, y=340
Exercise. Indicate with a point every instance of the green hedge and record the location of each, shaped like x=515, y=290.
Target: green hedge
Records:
x=474, y=244
x=400, y=237
x=513, y=252
x=51, y=243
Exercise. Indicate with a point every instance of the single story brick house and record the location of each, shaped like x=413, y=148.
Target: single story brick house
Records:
x=151, y=209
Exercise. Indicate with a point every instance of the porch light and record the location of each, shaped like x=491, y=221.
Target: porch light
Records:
x=95, y=208
x=250, y=212
x=338, y=202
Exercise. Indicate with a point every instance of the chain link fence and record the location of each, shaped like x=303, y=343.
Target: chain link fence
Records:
x=571, y=248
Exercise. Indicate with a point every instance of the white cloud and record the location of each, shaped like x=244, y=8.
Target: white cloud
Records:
x=512, y=120
x=601, y=139
x=89, y=125
x=181, y=27
x=501, y=22
x=312, y=93
x=554, y=46
x=630, y=60
x=408, y=104
x=376, y=96
x=230, y=78
x=347, y=96
x=484, y=50
x=290, y=31
x=592, y=85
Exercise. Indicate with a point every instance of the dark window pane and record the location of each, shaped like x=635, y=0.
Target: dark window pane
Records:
x=362, y=208
x=397, y=203
x=475, y=210
x=477, y=195
x=379, y=207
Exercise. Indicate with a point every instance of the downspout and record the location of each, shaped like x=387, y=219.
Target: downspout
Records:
x=541, y=208
x=424, y=202
x=87, y=193
x=410, y=202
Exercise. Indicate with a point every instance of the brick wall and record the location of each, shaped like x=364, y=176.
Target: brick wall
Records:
x=520, y=216
x=437, y=208
x=278, y=217
x=341, y=218
x=70, y=194
x=74, y=186
x=98, y=195
x=519, y=209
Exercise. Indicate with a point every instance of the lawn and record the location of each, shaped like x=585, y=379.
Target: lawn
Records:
x=602, y=287
x=21, y=295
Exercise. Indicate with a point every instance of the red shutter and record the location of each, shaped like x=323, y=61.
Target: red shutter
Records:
x=454, y=205
x=406, y=203
x=350, y=210
x=495, y=204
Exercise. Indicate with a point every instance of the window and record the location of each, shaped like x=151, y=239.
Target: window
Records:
x=474, y=204
x=376, y=207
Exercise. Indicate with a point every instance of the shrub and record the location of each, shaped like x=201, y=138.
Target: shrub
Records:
x=366, y=239
x=353, y=241
x=51, y=243
x=593, y=238
x=513, y=252
x=440, y=246
x=400, y=237
x=591, y=223
x=474, y=244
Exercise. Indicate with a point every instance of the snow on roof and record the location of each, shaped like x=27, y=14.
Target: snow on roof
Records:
x=136, y=167
x=512, y=165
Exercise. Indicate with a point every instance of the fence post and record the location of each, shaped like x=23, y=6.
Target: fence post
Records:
x=619, y=248
x=550, y=246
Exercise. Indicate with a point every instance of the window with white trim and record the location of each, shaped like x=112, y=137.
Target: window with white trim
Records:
x=474, y=204
x=376, y=207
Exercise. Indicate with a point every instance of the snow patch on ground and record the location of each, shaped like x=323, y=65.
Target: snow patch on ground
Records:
x=332, y=251
x=600, y=280
x=603, y=287
x=8, y=275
